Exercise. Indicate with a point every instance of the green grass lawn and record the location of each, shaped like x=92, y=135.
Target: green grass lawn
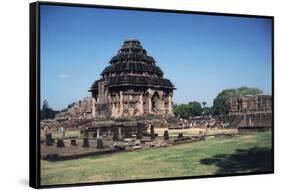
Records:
x=239, y=154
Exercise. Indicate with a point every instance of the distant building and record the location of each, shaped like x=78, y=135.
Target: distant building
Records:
x=251, y=104
x=250, y=111
x=78, y=111
x=132, y=86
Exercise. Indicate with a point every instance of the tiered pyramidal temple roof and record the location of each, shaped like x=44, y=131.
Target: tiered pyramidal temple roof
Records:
x=133, y=66
x=131, y=70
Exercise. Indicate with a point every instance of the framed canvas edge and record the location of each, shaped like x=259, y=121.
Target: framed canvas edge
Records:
x=34, y=96
x=34, y=92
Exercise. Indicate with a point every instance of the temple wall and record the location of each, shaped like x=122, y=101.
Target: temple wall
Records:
x=135, y=104
x=251, y=104
x=140, y=104
x=132, y=85
x=83, y=109
x=94, y=102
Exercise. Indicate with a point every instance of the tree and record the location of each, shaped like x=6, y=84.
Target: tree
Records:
x=221, y=102
x=182, y=110
x=47, y=112
x=205, y=110
x=186, y=110
x=196, y=108
x=204, y=104
x=45, y=105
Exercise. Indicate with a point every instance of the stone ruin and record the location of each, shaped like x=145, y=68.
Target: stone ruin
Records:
x=132, y=89
x=81, y=110
x=251, y=104
x=254, y=111
x=132, y=86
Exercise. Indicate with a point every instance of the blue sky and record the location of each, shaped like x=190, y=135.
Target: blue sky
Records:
x=200, y=54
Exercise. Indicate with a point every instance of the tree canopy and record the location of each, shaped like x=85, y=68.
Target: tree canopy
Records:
x=47, y=112
x=186, y=110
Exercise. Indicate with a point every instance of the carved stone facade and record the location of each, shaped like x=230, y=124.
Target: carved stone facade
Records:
x=78, y=111
x=251, y=104
x=132, y=86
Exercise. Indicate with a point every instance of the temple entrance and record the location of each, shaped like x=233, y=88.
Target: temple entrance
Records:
x=154, y=102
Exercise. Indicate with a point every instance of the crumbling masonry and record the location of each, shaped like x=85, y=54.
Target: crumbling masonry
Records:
x=132, y=86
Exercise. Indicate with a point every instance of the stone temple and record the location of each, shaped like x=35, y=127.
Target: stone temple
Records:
x=132, y=85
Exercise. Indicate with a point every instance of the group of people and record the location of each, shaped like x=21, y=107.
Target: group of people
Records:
x=189, y=123
x=224, y=124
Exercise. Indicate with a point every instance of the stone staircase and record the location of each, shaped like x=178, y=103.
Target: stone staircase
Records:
x=236, y=121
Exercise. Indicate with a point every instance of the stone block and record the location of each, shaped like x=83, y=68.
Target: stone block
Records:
x=49, y=141
x=99, y=143
x=180, y=135
x=85, y=143
x=73, y=142
x=60, y=143
x=166, y=135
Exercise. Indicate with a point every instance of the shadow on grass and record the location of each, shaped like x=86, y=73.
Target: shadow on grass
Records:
x=255, y=159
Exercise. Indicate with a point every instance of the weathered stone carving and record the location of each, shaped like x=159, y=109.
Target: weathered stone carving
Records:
x=80, y=110
x=132, y=86
x=251, y=104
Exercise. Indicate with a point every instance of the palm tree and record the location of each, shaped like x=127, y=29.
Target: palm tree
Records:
x=204, y=104
x=203, y=110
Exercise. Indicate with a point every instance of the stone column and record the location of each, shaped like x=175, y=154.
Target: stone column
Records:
x=160, y=103
x=152, y=135
x=101, y=93
x=49, y=140
x=149, y=103
x=141, y=104
x=60, y=143
x=139, y=132
x=86, y=142
x=98, y=133
x=99, y=144
x=121, y=103
x=166, y=135
x=170, y=105
x=119, y=133
x=86, y=133
x=108, y=132
x=93, y=107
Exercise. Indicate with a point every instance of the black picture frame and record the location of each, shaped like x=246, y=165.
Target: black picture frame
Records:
x=34, y=91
